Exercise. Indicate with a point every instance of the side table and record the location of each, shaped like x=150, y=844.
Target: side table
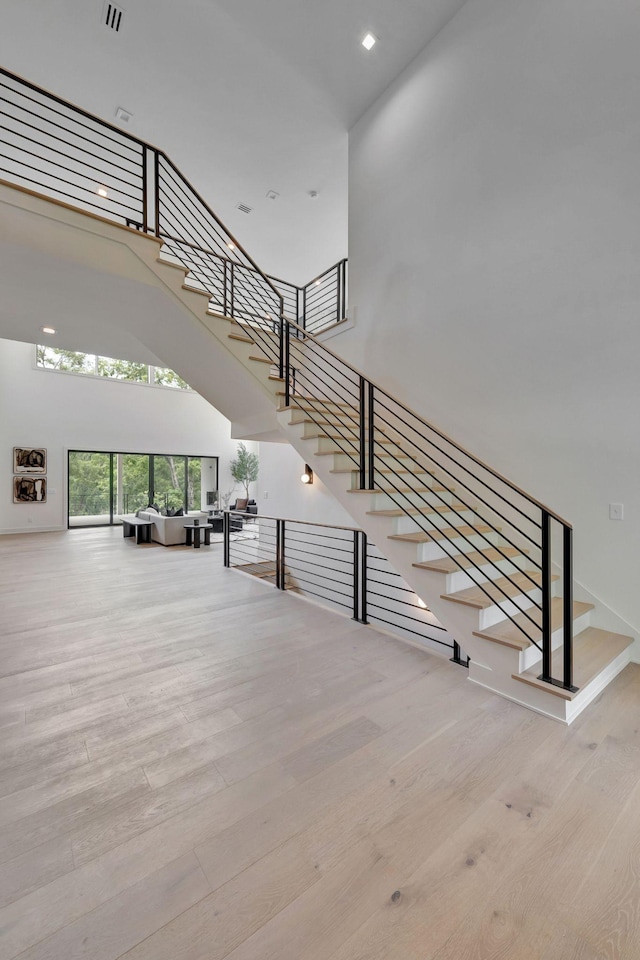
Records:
x=193, y=534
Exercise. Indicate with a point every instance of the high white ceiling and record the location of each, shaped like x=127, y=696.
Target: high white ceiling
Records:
x=245, y=96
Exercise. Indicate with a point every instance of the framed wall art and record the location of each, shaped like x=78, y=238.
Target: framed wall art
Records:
x=29, y=460
x=29, y=489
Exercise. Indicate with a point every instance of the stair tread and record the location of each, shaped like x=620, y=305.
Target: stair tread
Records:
x=264, y=360
x=466, y=560
x=420, y=536
x=241, y=337
x=507, y=633
x=593, y=650
x=418, y=511
x=201, y=293
x=513, y=586
x=337, y=436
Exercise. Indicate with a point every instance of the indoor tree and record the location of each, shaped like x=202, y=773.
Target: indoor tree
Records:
x=244, y=469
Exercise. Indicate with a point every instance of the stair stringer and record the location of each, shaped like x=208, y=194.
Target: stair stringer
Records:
x=492, y=665
x=81, y=259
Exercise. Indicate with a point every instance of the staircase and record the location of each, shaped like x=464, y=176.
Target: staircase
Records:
x=492, y=563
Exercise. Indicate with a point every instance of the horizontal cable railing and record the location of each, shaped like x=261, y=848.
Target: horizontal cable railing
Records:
x=336, y=566
x=60, y=150
x=499, y=535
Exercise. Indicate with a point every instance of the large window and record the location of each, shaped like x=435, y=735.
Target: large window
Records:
x=70, y=361
x=104, y=486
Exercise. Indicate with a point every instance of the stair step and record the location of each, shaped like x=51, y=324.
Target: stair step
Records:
x=436, y=488
x=337, y=436
x=507, y=633
x=385, y=472
x=201, y=293
x=512, y=586
x=264, y=360
x=241, y=337
x=272, y=377
x=417, y=512
x=449, y=533
x=593, y=650
x=467, y=560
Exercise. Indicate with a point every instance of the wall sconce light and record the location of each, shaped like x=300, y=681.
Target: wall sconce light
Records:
x=307, y=476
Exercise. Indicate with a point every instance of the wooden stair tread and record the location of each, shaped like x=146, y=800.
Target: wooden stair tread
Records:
x=420, y=536
x=496, y=589
x=336, y=436
x=241, y=337
x=417, y=512
x=201, y=293
x=271, y=363
x=508, y=634
x=593, y=650
x=466, y=560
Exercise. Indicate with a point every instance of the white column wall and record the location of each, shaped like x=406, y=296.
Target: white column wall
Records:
x=65, y=411
x=495, y=257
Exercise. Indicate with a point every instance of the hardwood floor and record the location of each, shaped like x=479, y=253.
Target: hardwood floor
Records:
x=194, y=766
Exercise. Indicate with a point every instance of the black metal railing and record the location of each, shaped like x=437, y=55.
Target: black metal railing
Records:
x=60, y=150
x=499, y=535
x=333, y=565
x=510, y=545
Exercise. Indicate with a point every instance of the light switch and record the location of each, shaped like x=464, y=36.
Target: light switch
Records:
x=616, y=511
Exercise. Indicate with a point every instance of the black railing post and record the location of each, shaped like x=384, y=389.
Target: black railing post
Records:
x=145, y=188
x=156, y=190
x=280, y=555
x=287, y=361
x=226, y=530
x=232, y=291
x=338, y=297
x=364, y=576
x=370, y=419
x=546, y=597
x=457, y=656
x=225, y=292
x=567, y=592
x=362, y=432
x=303, y=319
x=356, y=575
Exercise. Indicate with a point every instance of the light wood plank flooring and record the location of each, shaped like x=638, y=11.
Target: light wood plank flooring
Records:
x=194, y=766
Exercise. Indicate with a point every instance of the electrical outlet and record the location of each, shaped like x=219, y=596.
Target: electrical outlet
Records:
x=266, y=495
x=616, y=511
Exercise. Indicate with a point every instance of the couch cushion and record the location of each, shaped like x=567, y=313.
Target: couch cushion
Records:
x=242, y=504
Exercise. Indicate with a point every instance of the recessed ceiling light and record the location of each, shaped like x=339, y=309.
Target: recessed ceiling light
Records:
x=47, y=329
x=313, y=194
x=368, y=41
x=102, y=192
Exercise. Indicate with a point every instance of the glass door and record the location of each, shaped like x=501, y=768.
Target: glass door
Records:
x=133, y=482
x=169, y=481
x=90, y=500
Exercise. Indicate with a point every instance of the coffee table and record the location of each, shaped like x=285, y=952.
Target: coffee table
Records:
x=193, y=534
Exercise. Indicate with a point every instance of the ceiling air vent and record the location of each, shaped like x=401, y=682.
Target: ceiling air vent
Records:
x=243, y=208
x=112, y=16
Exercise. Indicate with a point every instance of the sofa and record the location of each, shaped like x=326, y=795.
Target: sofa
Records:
x=251, y=507
x=169, y=531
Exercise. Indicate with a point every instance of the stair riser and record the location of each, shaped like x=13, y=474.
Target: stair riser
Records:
x=532, y=655
x=433, y=551
x=349, y=444
x=461, y=580
x=449, y=519
x=387, y=501
x=496, y=612
x=383, y=462
x=388, y=481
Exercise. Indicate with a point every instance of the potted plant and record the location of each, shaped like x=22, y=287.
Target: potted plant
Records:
x=244, y=469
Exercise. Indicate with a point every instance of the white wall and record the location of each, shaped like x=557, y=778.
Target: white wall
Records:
x=65, y=411
x=279, y=477
x=495, y=257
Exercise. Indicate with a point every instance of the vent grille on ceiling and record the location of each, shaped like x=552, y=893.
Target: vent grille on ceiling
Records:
x=243, y=207
x=112, y=17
